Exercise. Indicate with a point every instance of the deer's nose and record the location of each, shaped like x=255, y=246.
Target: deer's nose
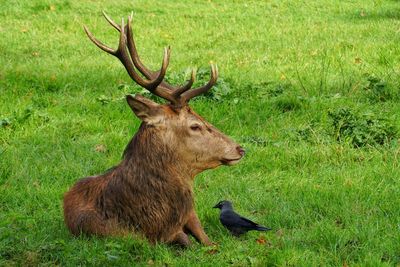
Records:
x=240, y=150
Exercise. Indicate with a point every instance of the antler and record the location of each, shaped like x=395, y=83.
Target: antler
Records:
x=154, y=82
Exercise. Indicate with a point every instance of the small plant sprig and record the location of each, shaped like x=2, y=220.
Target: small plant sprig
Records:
x=377, y=90
x=361, y=130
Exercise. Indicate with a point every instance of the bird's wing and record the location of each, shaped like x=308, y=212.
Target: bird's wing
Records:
x=248, y=222
x=255, y=226
x=230, y=218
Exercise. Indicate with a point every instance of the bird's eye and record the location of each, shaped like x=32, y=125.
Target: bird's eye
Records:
x=195, y=127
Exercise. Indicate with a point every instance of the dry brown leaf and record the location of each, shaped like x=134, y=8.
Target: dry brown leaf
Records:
x=261, y=241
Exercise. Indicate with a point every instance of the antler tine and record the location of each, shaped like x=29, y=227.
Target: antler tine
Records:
x=185, y=97
x=149, y=74
x=186, y=86
x=98, y=43
x=115, y=25
x=131, y=46
x=177, y=91
x=150, y=85
x=134, y=54
x=125, y=60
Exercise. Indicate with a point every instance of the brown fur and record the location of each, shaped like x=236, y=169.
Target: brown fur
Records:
x=150, y=191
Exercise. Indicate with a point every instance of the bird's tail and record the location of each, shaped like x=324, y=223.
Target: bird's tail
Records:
x=262, y=228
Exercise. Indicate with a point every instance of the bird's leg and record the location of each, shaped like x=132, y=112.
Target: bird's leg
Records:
x=193, y=226
x=181, y=239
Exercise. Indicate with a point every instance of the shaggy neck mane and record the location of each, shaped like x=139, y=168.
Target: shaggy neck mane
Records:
x=147, y=155
x=148, y=168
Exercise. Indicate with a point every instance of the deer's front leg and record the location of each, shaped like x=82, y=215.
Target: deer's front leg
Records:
x=193, y=226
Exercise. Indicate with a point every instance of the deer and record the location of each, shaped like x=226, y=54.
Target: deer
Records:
x=150, y=192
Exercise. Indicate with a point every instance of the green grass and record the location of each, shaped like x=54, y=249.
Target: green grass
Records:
x=286, y=64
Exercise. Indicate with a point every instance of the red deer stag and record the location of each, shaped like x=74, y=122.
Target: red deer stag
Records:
x=150, y=191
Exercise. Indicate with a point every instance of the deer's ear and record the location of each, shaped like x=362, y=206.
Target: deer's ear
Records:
x=145, y=109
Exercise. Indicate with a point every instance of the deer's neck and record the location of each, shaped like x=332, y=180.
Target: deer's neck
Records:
x=147, y=156
x=147, y=180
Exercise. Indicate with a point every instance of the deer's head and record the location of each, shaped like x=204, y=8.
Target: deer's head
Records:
x=193, y=140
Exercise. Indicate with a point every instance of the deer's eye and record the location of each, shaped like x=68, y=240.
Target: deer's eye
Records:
x=195, y=127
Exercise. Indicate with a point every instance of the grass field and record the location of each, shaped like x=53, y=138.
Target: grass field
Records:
x=311, y=89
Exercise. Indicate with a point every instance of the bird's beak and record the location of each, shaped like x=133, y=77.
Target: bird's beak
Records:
x=215, y=207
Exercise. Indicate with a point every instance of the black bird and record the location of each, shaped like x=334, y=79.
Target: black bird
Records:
x=235, y=223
